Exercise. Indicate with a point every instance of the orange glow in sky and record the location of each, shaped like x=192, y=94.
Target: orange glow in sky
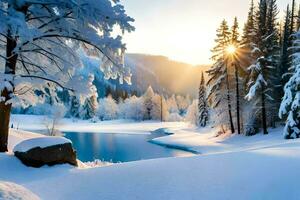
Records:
x=183, y=30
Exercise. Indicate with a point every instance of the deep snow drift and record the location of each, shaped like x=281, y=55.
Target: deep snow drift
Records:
x=12, y=191
x=232, y=167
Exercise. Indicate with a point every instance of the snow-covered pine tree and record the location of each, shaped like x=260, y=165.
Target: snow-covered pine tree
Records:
x=266, y=52
x=90, y=106
x=247, y=46
x=172, y=105
x=202, y=103
x=219, y=77
x=148, y=103
x=74, y=110
x=290, y=105
x=159, y=109
x=285, y=54
x=39, y=41
x=273, y=56
x=192, y=114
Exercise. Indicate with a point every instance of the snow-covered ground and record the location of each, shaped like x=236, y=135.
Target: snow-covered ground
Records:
x=37, y=123
x=229, y=167
x=204, y=141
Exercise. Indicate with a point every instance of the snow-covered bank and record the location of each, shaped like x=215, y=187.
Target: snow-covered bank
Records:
x=253, y=172
x=204, y=141
x=12, y=191
x=35, y=123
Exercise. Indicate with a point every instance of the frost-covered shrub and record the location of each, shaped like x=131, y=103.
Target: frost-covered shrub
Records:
x=192, y=113
x=132, y=108
x=108, y=109
x=172, y=105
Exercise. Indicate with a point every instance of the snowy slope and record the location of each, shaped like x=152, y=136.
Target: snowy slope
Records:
x=204, y=141
x=257, y=173
x=12, y=191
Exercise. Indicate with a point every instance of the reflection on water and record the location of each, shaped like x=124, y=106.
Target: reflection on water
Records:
x=119, y=147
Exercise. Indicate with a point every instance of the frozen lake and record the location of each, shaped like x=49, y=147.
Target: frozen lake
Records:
x=119, y=147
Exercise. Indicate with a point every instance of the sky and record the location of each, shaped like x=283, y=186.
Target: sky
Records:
x=183, y=30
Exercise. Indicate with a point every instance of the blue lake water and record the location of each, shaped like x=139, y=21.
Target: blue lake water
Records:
x=119, y=147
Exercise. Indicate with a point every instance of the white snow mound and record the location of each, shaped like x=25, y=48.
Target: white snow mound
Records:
x=12, y=191
x=40, y=142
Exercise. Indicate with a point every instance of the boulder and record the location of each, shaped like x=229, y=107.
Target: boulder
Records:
x=38, y=152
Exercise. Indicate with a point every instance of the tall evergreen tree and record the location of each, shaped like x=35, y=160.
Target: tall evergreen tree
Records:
x=273, y=57
x=74, y=107
x=285, y=56
x=298, y=19
x=89, y=108
x=290, y=105
x=234, y=59
x=249, y=32
x=219, y=77
x=265, y=51
x=202, y=103
x=248, y=41
x=293, y=17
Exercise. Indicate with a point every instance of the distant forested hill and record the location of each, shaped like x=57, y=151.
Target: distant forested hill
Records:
x=164, y=75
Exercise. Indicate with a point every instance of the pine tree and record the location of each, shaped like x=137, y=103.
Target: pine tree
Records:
x=248, y=41
x=290, y=105
x=285, y=55
x=74, y=107
x=219, y=76
x=148, y=103
x=202, y=103
x=249, y=33
x=89, y=108
x=292, y=24
x=265, y=49
x=298, y=19
x=273, y=57
x=234, y=59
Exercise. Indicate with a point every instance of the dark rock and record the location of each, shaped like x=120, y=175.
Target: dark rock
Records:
x=51, y=155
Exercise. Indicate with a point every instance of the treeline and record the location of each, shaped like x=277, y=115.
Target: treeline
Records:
x=116, y=105
x=256, y=72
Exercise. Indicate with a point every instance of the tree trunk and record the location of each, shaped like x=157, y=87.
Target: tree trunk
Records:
x=263, y=111
x=229, y=102
x=237, y=98
x=4, y=122
x=5, y=108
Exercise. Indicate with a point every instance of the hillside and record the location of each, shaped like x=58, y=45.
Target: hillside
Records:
x=163, y=74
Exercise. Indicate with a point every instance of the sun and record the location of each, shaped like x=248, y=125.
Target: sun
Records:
x=231, y=49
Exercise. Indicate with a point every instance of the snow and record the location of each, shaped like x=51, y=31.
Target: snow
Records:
x=228, y=167
x=37, y=123
x=12, y=191
x=41, y=142
x=204, y=141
